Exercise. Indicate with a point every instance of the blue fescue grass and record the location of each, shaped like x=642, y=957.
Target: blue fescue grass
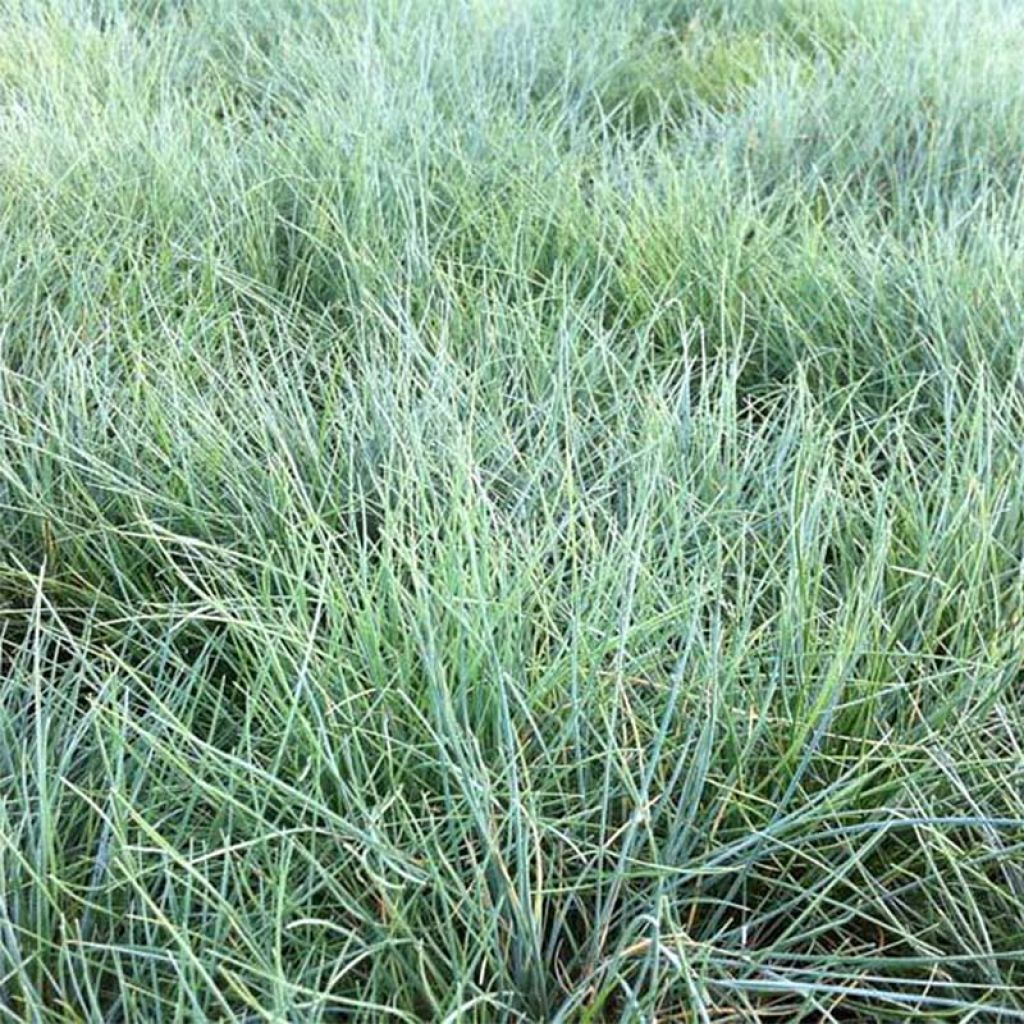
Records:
x=511, y=511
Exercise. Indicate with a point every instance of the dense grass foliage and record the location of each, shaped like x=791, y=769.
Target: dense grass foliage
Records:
x=511, y=510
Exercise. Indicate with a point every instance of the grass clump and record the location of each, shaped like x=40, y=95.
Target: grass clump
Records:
x=511, y=511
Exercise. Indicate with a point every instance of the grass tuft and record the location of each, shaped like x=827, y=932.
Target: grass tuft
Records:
x=511, y=511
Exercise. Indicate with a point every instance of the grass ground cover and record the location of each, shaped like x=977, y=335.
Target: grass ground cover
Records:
x=511, y=511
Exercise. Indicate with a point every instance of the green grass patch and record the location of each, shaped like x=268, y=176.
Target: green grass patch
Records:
x=511, y=511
